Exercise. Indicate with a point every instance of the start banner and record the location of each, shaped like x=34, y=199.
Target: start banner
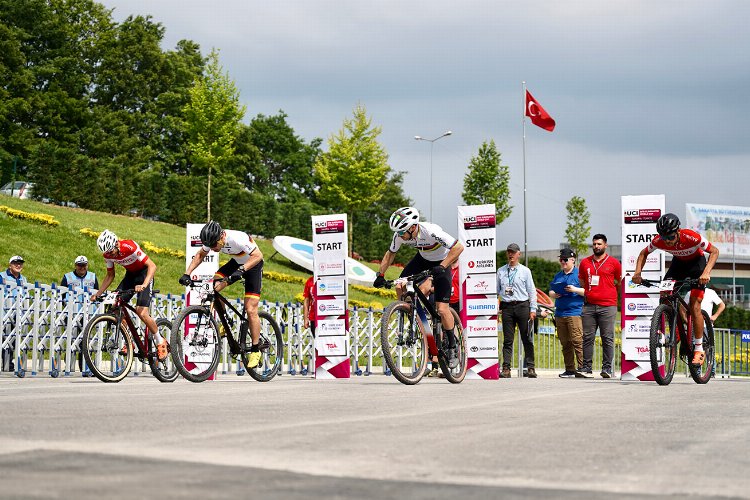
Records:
x=330, y=249
x=639, y=216
x=478, y=289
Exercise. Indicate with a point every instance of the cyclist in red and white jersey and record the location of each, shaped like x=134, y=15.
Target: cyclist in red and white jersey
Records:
x=437, y=251
x=246, y=262
x=139, y=276
x=688, y=249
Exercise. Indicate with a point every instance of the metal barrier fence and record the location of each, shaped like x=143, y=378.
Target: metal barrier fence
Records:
x=42, y=327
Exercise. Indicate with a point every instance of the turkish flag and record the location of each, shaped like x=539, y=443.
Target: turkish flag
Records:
x=538, y=115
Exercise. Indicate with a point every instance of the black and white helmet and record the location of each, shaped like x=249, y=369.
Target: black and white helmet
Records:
x=107, y=241
x=211, y=233
x=667, y=224
x=403, y=218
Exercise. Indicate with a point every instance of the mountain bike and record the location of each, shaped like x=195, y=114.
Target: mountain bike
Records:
x=406, y=331
x=111, y=341
x=197, y=337
x=672, y=329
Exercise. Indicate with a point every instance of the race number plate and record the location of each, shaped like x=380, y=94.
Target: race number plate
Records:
x=666, y=286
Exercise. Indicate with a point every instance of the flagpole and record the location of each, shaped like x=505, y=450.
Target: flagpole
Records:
x=523, y=121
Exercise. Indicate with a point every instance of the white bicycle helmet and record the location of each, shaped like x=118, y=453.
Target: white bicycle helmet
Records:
x=403, y=218
x=107, y=241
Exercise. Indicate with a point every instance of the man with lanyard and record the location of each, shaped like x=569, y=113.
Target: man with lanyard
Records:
x=517, y=293
x=688, y=261
x=599, y=275
x=437, y=251
x=139, y=276
x=246, y=262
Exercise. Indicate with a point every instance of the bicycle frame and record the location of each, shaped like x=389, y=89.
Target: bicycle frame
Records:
x=218, y=305
x=424, y=302
x=120, y=311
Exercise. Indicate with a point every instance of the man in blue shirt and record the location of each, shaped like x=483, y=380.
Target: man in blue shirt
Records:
x=517, y=292
x=568, y=294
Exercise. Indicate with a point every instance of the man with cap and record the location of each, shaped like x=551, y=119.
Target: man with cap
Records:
x=13, y=275
x=80, y=276
x=517, y=292
x=568, y=294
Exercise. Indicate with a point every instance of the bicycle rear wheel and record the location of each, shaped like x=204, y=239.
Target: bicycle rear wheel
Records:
x=107, y=348
x=405, y=354
x=702, y=374
x=164, y=370
x=662, y=344
x=271, y=349
x=195, y=343
x=457, y=374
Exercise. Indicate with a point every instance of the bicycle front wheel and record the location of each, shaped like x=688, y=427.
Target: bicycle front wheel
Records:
x=662, y=346
x=702, y=374
x=195, y=343
x=404, y=346
x=271, y=349
x=107, y=348
x=457, y=374
x=164, y=370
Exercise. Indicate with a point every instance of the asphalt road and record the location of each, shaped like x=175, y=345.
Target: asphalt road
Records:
x=371, y=437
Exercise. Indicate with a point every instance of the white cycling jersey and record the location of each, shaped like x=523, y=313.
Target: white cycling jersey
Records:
x=432, y=242
x=238, y=244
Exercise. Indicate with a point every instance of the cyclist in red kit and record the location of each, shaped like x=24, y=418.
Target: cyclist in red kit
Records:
x=688, y=250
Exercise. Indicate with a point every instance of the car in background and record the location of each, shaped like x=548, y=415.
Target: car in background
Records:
x=21, y=189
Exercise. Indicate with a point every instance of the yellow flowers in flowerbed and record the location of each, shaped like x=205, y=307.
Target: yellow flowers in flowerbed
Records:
x=44, y=219
x=284, y=278
x=87, y=231
x=151, y=248
x=382, y=292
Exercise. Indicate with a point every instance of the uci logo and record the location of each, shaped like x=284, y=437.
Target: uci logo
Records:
x=470, y=218
x=321, y=224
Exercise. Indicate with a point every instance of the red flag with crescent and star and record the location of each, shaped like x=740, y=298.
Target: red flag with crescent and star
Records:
x=538, y=115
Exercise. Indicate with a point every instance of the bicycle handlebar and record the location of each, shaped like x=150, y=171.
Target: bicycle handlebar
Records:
x=122, y=293
x=677, y=283
x=405, y=279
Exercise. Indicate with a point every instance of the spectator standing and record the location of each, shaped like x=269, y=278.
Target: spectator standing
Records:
x=80, y=276
x=12, y=275
x=308, y=305
x=568, y=294
x=517, y=293
x=600, y=275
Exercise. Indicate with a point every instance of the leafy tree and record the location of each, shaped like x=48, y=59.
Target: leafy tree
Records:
x=578, y=229
x=487, y=181
x=353, y=172
x=213, y=120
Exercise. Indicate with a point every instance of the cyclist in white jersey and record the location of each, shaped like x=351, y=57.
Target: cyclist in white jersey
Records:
x=246, y=262
x=437, y=251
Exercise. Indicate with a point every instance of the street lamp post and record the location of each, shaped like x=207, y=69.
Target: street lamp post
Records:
x=432, y=143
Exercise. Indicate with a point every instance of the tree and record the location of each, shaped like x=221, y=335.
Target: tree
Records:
x=578, y=229
x=487, y=181
x=213, y=120
x=353, y=172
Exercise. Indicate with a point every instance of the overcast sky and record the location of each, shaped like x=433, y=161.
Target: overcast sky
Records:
x=649, y=97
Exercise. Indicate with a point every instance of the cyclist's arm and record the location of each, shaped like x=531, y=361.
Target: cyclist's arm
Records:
x=108, y=279
x=197, y=259
x=388, y=259
x=639, y=265
x=713, y=255
x=151, y=270
x=453, y=254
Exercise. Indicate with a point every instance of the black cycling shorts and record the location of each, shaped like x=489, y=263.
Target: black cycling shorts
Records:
x=442, y=284
x=132, y=279
x=253, y=277
x=683, y=269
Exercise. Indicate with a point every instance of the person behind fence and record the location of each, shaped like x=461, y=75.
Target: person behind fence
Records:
x=517, y=292
x=308, y=305
x=599, y=274
x=139, y=276
x=568, y=294
x=80, y=276
x=12, y=277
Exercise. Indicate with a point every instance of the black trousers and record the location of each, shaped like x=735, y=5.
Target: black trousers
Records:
x=516, y=314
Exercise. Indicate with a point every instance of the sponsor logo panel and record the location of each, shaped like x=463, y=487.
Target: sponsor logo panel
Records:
x=481, y=307
x=653, y=261
x=479, y=265
x=330, y=268
x=334, y=307
x=479, y=221
x=481, y=328
x=481, y=347
x=331, y=327
x=636, y=350
x=480, y=284
x=331, y=346
x=637, y=328
x=640, y=306
x=329, y=227
x=641, y=215
x=331, y=286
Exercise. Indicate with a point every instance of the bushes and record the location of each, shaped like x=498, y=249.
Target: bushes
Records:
x=735, y=318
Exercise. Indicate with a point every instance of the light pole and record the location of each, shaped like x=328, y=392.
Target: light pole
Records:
x=432, y=143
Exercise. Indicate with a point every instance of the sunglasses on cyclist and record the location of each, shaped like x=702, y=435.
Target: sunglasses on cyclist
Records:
x=669, y=237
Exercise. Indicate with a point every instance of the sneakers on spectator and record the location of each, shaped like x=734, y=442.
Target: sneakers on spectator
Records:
x=606, y=374
x=567, y=374
x=584, y=374
x=432, y=373
x=698, y=358
x=505, y=373
x=532, y=373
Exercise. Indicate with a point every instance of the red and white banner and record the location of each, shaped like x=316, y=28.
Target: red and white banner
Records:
x=205, y=271
x=330, y=249
x=476, y=275
x=639, y=216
